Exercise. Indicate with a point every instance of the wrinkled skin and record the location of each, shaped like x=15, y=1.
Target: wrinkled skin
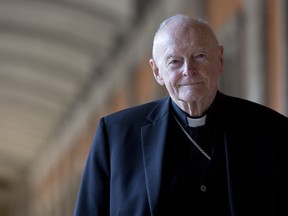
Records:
x=188, y=61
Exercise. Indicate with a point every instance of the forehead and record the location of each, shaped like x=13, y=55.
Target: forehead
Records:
x=179, y=37
x=186, y=41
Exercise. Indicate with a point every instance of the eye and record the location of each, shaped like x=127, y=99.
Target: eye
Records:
x=201, y=55
x=174, y=61
x=174, y=64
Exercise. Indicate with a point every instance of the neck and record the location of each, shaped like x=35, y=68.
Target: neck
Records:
x=196, y=108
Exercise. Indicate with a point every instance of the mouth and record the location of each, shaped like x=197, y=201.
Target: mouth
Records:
x=192, y=84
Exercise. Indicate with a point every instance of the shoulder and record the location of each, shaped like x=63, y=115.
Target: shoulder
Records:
x=244, y=109
x=135, y=113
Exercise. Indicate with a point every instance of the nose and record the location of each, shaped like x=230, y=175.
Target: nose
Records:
x=189, y=68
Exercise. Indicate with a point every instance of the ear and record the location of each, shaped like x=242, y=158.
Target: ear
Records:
x=155, y=70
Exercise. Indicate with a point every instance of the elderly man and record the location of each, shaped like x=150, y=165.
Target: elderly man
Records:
x=196, y=152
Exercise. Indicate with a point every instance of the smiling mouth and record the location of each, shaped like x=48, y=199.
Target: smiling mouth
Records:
x=191, y=84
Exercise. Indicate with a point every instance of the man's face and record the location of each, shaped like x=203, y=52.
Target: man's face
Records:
x=188, y=62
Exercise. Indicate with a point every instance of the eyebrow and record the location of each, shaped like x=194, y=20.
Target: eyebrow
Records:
x=171, y=56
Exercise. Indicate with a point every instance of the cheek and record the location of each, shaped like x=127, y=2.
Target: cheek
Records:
x=212, y=76
x=171, y=77
x=213, y=80
x=174, y=79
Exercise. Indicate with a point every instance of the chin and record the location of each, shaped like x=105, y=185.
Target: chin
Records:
x=190, y=98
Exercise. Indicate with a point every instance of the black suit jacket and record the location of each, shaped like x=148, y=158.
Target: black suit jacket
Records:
x=123, y=171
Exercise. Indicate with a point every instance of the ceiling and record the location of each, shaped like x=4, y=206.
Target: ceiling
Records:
x=49, y=51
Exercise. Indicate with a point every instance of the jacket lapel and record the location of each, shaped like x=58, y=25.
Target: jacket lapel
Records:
x=153, y=143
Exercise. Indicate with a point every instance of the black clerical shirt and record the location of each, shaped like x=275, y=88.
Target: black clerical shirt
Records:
x=192, y=184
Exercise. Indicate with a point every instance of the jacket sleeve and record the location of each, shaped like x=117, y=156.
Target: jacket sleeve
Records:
x=93, y=197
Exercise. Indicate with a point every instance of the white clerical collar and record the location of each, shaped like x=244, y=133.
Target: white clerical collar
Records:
x=196, y=122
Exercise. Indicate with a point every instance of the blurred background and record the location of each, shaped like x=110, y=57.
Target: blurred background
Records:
x=66, y=63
